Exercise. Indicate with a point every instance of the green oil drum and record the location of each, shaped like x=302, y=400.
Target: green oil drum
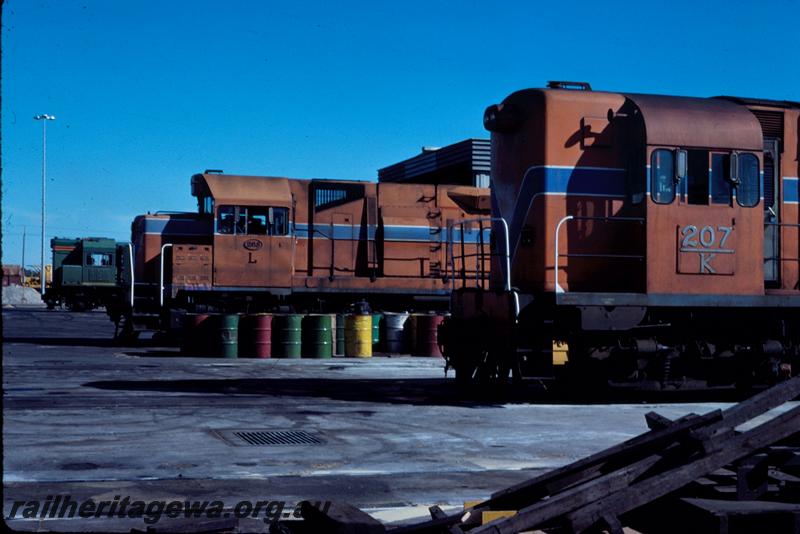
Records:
x=228, y=335
x=377, y=320
x=340, y=338
x=317, y=338
x=358, y=336
x=287, y=339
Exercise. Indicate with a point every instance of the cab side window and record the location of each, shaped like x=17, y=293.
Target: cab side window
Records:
x=748, y=192
x=257, y=220
x=253, y=220
x=96, y=259
x=225, y=219
x=697, y=179
x=720, y=179
x=662, y=176
x=280, y=221
x=241, y=220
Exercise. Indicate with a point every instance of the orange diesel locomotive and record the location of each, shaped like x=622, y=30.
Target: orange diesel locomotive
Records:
x=265, y=243
x=638, y=239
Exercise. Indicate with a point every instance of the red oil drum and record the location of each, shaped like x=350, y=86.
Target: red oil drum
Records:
x=427, y=327
x=196, y=335
x=255, y=336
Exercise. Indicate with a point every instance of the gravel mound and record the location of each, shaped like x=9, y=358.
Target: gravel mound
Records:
x=21, y=296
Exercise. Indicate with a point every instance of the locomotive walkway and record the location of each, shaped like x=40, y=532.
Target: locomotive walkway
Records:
x=88, y=419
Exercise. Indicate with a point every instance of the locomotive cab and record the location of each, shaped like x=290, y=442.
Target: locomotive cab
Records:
x=253, y=245
x=705, y=233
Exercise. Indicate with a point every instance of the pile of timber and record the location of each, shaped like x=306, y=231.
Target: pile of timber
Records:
x=699, y=473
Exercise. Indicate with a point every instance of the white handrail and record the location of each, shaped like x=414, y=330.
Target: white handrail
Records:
x=559, y=289
x=130, y=259
x=507, y=273
x=161, y=275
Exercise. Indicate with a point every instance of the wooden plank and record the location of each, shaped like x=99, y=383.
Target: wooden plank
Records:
x=708, y=429
x=711, y=438
x=762, y=402
x=785, y=478
x=612, y=523
x=548, y=483
x=656, y=421
x=742, y=507
x=492, y=515
x=438, y=513
x=623, y=498
x=737, y=516
x=659, y=485
x=434, y=526
x=566, y=501
x=580, y=472
x=751, y=477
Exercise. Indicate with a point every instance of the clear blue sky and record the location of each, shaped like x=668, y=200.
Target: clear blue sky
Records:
x=148, y=93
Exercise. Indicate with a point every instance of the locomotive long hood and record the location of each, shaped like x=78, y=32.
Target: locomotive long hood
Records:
x=698, y=122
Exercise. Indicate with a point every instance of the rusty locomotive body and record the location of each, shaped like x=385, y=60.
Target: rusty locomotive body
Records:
x=656, y=237
x=267, y=243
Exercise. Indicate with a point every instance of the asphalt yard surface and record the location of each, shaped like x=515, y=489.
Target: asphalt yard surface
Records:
x=86, y=418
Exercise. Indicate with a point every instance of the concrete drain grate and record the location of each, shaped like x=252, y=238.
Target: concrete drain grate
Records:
x=269, y=437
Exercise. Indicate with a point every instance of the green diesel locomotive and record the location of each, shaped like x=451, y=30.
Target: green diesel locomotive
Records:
x=88, y=273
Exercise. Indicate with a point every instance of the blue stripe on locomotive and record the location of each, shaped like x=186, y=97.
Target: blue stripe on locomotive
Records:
x=791, y=189
x=580, y=181
x=175, y=226
x=391, y=233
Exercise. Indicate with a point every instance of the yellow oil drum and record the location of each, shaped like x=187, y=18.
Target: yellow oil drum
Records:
x=358, y=336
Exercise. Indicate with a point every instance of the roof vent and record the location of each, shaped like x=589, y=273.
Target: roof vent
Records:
x=213, y=171
x=427, y=149
x=574, y=86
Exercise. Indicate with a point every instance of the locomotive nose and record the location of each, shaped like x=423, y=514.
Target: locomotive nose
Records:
x=501, y=118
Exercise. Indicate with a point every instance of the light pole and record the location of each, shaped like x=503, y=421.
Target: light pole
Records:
x=44, y=118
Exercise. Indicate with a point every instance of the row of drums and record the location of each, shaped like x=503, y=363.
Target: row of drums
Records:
x=309, y=336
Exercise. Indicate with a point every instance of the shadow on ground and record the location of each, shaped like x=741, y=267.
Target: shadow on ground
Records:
x=64, y=341
x=416, y=391
x=93, y=342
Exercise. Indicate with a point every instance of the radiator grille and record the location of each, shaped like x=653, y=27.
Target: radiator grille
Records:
x=771, y=123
